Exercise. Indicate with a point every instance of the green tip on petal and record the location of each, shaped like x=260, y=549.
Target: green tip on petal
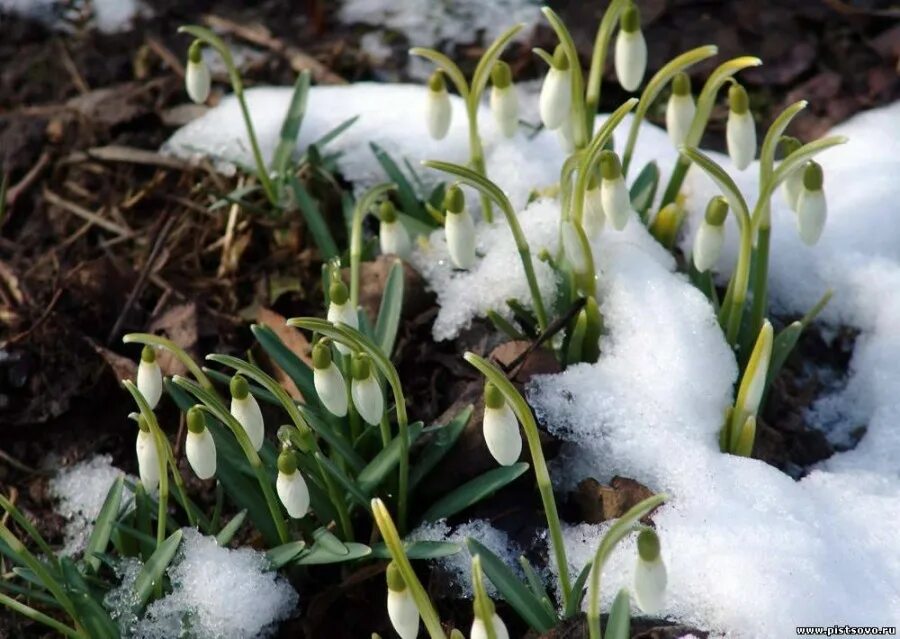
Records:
x=738, y=101
x=560, y=59
x=142, y=424
x=148, y=354
x=196, y=421
x=395, y=580
x=493, y=398
x=338, y=293
x=648, y=545
x=239, y=387
x=501, y=75
x=436, y=82
x=681, y=84
x=287, y=462
x=717, y=211
x=360, y=367
x=610, y=167
x=195, y=52
x=789, y=145
x=321, y=355
x=387, y=212
x=813, y=177
x=454, y=201
x=593, y=180
x=631, y=19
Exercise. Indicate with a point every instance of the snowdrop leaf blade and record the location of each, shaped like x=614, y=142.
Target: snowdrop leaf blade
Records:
x=619, y=624
x=385, y=461
x=536, y=585
x=280, y=556
x=516, y=593
x=230, y=529
x=290, y=126
x=441, y=444
x=419, y=550
x=288, y=361
x=578, y=592
x=406, y=193
x=643, y=189
x=320, y=555
x=341, y=477
x=103, y=526
x=729, y=189
x=315, y=221
x=490, y=56
x=388, y=320
x=474, y=491
x=154, y=569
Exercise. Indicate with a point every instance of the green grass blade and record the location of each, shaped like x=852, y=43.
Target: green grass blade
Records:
x=29, y=529
x=103, y=526
x=154, y=569
x=388, y=321
x=384, y=462
x=230, y=529
x=34, y=615
x=473, y=491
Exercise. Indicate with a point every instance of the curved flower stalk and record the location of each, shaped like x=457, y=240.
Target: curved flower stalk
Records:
x=148, y=339
x=471, y=95
x=199, y=447
x=149, y=377
x=245, y=409
x=542, y=475
x=631, y=49
x=598, y=59
x=625, y=525
x=566, y=54
x=363, y=205
x=487, y=624
x=649, y=573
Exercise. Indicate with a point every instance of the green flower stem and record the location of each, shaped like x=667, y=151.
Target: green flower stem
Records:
x=615, y=534
x=486, y=187
x=653, y=89
x=565, y=186
x=759, y=284
x=205, y=35
x=155, y=340
x=482, y=605
x=363, y=206
x=35, y=615
x=161, y=449
x=542, y=475
x=359, y=342
x=581, y=132
x=705, y=104
x=598, y=59
x=211, y=404
x=395, y=546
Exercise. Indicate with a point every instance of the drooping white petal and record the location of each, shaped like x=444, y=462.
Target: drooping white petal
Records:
x=501, y=434
x=791, y=188
x=616, y=202
x=479, y=631
x=708, y=245
x=394, y=239
x=556, y=98
x=630, y=58
x=343, y=314
x=566, y=136
x=201, y=453
x=650, y=585
x=148, y=460
x=680, y=112
x=149, y=382
x=573, y=248
x=594, y=216
x=197, y=81
x=331, y=388
x=460, y=231
x=812, y=211
x=505, y=107
x=368, y=399
x=740, y=134
x=248, y=414
x=403, y=613
x=293, y=493
x=438, y=112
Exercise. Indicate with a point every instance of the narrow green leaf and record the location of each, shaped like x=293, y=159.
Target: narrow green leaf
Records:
x=643, y=189
x=345, y=482
x=320, y=555
x=28, y=527
x=282, y=555
x=536, y=585
x=323, y=141
x=436, y=449
x=419, y=550
x=385, y=461
x=389, y=312
x=34, y=615
x=154, y=569
x=230, y=529
x=505, y=326
x=288, y=361
x=290, y=126
x=409, y=201
x=578, y=592
x=474, y=491
x=618, y=626
x=315, y=221
x=103, y=526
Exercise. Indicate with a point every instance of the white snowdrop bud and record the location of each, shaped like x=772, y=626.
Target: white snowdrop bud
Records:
x=149, y=377
x=147, y=457
x=812, y=210
x=649, y=574
x=459, y=228
x=565, y=134
x=199, y=446
x=401, y=606
x=245, y=409
x=438, y=110
x=290, y=486
x=479, y=631
x=740, y=132
x=504, y=101
x=556, y=92
x=594, y=218
x=196, y=74
x=364, y=388
x=711, y=235
x=613, y=194
x=576, y=248
x=500, y=427
x=392, y=235
x=631, y=49
x=680, y=109
x=793, y=183
x=754, y=380
x=329, y=382
x=341, y=311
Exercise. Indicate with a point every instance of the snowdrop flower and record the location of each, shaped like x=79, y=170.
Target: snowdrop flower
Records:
x=754, y=380
x=811, y=207
x=329, y=382
x=649, y=573
x=479, y=630
x=437, y=107
x=401, y=606
x=613, y=194
x=565, y=134
x=500, y=427
x=199, y=446
x=631, y=49
x=680, y=109
x=147, y=456
x=594, y=217
x=740, y=132
x=365, y=390
x=149, y=377
x=392, y=235
x=711, y=235
x=245, y=409
x=556, y=92
x=504, y=101
x=459, y=227
x=793, y=183
x=290, y=485
x=196, y=74
x=576, y=248
x=340, y=311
